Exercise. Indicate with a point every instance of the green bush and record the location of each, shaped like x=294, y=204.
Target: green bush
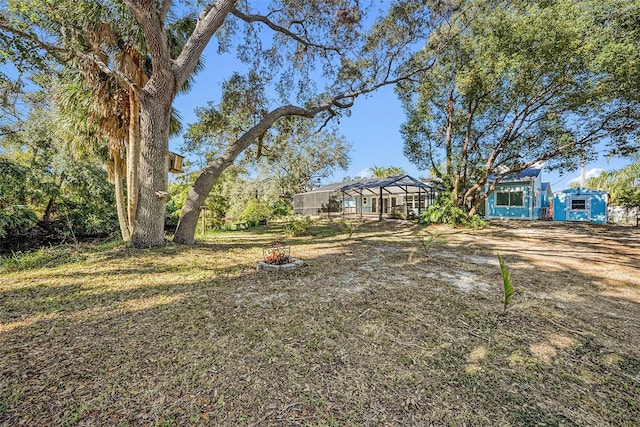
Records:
x=298, y=226
x=86, y=205
x=281, y=208
x=255, y=212
x=445, y=211
x=15, y=219
x=172, y=216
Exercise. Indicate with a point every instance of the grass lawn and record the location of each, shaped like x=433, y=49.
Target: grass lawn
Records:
x=373, y=330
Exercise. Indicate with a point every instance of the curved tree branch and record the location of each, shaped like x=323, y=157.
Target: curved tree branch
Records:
x=64, y=55
x=51, y=49
x=280, y=29
x=210, y=19
x=204, y=183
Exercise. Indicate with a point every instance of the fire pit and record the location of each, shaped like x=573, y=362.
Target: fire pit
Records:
x=277, y=256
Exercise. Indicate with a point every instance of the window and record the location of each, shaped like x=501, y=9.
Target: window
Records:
x=516, y=198
x=578, y=204
x=415, y=201
x=510, y=198
x=502, y=199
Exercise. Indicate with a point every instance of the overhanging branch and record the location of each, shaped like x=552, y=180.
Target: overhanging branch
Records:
x=64, y=55
x=49, y=48
x=280, y=29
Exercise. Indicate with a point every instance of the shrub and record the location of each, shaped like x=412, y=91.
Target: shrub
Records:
x=298, y=226
x=445, y=211
x=349, y=227
x=255, y=212
x=85, y=206
x=172, y=216
x=15, y=219
x=397, y=215
x=281, y=208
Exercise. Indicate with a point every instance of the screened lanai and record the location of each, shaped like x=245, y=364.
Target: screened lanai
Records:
x=395, y=197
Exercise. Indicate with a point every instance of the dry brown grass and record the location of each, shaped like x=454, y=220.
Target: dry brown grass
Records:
x=370, y=331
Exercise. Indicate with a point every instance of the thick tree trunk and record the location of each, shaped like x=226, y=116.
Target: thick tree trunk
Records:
x=153, y=172
x=186, y=230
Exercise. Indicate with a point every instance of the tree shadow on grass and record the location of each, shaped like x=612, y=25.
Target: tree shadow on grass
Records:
x=341, y=340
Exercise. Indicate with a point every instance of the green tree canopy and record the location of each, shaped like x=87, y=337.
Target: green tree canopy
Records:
x=385, y=171
x=521, y=82
x=618, y=182
x=312, y=59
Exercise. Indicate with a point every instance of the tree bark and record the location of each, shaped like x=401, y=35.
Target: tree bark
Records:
x=186, y=230
x=155, y=100
x=155, y=111
x=449, y=135
x=120, y=209
x=133, y=159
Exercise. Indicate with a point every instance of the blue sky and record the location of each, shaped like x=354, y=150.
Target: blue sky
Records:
x=373, y=128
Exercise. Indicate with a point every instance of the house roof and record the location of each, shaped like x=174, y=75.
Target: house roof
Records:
x=528, y=174
x=391, y=184
x=578, y=191
x=546, y=186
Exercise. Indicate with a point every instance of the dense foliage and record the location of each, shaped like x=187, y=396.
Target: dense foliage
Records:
x=623, y=187
x=446, y=211
x=520, y=82
x=15, y=215
x=49, y=194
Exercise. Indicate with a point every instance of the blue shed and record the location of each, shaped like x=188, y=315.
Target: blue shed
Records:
x=519, y=196
x=580, y=204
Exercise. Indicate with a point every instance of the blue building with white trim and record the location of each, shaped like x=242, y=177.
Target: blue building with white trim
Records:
x=580, y=204
x=519, y=196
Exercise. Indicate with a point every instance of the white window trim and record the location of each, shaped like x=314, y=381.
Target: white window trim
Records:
x=509, y=192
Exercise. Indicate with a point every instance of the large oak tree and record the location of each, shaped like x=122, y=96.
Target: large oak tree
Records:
x=523, y=82
x=316, y=58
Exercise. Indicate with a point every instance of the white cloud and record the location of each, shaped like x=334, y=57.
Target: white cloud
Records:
x=365, y=173
x=591, y=173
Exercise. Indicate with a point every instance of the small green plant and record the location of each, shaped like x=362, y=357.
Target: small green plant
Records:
x=506, y=280
x=349, y=227
x=425, y=242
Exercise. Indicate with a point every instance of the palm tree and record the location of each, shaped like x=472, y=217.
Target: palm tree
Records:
x=618, y=182
x=383, y=172
x=113, y=107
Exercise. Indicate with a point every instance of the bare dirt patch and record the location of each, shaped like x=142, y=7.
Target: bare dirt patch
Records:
x=370, y=331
